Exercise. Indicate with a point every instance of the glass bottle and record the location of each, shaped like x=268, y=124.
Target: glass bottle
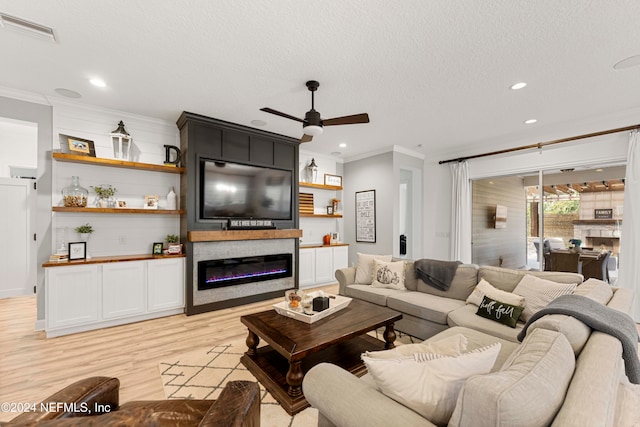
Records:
x=75, y=195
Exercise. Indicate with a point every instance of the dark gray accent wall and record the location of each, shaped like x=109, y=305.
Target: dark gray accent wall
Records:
x=204, y=137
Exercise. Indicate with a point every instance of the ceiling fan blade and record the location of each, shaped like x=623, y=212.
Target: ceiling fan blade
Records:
x=347, y=120
x=306, y=138
x=278, y=113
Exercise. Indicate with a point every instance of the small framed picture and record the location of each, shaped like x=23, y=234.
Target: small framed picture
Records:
x=330, y=210
x=122, y=204
x=151, y=202
x=174, y=249
x=157, y=248
x=335, y=238
x=78, y=146
x=77, y=250
x=333, y=180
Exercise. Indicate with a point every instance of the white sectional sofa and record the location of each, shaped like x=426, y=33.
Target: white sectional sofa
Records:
x=562, y=374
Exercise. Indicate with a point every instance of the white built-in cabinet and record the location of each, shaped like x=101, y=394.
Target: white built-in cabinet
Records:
x=318, y=264
x=96, y=295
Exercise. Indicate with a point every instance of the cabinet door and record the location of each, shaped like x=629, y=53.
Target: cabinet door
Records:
x=71, y=296
x=123, y=287
x=340, y=257
x=165, y=284
x=307, y=266
x=324, y=265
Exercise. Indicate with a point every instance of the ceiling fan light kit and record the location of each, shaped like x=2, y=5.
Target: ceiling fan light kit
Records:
x=313, y=125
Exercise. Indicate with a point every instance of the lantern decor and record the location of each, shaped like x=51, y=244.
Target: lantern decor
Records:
x=121, y=142
x=312, y=171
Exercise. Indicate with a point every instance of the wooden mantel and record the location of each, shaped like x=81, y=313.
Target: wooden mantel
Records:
x=226, y=235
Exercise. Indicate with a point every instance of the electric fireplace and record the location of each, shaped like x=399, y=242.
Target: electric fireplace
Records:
x=219, y=273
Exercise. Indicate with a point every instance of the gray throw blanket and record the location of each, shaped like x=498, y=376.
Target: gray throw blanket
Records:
x=600, y=318
x=436, y=273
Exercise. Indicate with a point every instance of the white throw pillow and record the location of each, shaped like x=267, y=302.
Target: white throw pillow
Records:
x=388, y=275
x=364, y=269
x=485, y=288
x=430, y=383
x=539, y=292
x=454, y=345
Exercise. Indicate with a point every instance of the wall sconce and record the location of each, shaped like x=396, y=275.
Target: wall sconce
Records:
x=121, y=142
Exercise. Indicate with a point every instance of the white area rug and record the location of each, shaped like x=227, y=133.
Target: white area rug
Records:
x=202, y=374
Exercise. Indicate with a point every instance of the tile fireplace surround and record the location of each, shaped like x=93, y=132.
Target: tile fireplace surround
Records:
x=221, y=245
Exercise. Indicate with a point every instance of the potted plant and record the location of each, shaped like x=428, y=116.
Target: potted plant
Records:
x=174, y=248
x=105, y=195
x=84, y=229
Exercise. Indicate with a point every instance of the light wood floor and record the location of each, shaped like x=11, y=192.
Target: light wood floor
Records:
x=32, y=366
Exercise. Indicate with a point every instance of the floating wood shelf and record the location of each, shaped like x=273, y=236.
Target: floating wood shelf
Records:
x=74, y=158
x=320, y=215
x=107, y=259
x=118, y=210
x=226, y=235
x=321, y=186
x=597, y=221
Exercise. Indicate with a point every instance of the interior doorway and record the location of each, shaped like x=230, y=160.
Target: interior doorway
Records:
x=18, y=256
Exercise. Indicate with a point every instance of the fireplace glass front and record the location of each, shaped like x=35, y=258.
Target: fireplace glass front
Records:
x=219, y=273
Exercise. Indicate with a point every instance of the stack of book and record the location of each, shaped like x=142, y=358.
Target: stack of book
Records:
x=58, y=258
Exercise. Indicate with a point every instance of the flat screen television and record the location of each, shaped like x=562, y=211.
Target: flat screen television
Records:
x=235, y=190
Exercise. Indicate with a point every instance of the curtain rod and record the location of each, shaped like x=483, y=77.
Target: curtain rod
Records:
x=539, y=145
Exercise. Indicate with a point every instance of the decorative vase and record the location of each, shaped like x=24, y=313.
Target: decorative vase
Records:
x=85, y=238
x=172, y=200
x=75, y=195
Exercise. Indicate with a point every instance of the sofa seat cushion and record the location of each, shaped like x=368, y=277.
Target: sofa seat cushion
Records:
x=370, y=294
x=425, y=306
x=466, y=316
x=476, y=339
x=528, y=391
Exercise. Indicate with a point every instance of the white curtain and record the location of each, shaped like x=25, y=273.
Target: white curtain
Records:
x=461, y=213
x=629, y=273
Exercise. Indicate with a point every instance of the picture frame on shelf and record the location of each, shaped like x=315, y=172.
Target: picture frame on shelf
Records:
x=330, y=210
x=77, y=146
x=157, y=248
x=174, y=249
x=77, y=251
x=332, y=180
x=151, y=202
x=122, y=204
x=335, y=238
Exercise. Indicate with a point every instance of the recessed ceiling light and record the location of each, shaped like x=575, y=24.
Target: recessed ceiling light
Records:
x=336, y=153
x=67, y=93
x=599, y=170
x=629, y=62
x=342, y=145
x=258, y=122
x=530, y=121
x=98, y=82
x=517, y=86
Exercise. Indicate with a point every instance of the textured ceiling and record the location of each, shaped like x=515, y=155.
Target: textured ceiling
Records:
x=435, y=73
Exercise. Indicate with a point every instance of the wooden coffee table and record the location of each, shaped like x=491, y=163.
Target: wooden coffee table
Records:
x=294, y=347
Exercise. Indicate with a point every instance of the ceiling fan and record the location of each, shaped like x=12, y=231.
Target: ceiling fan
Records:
x=312, y=124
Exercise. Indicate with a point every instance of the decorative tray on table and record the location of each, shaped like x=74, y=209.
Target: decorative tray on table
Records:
x=336, y=303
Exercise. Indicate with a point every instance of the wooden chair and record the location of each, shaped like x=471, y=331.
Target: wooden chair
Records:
x=597, y=268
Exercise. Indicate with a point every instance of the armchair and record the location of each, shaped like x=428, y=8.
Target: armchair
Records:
x=95, y=401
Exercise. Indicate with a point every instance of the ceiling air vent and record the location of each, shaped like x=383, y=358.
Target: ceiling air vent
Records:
x=12, y=23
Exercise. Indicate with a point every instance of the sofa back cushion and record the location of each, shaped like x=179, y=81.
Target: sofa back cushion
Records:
x=595, y=289
x=507, y=279
x=462, y=285
x=528, y=390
